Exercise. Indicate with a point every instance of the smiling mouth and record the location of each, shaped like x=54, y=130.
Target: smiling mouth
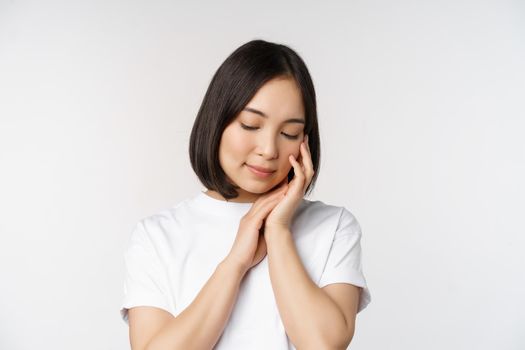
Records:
x=259, y=169
x=259, y=172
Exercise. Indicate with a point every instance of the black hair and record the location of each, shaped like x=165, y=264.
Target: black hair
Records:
x=233, y=85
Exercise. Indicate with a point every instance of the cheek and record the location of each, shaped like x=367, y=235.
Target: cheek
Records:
x=235, y=144
x=295, y=150
x=291, y=149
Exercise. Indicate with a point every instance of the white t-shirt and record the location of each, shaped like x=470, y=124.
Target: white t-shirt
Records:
x=173, y=253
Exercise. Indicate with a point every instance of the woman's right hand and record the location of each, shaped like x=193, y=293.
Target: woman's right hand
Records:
x=249, y=247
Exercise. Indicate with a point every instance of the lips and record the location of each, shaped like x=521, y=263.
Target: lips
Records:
x=261, y=169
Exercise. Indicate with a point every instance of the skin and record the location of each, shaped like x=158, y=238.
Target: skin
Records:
x=314, y=318
x=268, y=146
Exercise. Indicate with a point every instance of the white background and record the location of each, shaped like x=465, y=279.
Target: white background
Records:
x=421, y=111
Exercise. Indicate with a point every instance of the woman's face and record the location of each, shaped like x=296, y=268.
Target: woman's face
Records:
x=277, y=114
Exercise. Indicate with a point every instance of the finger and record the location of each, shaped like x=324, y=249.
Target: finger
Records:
x=264, y=209
x=269, y=196
x=299, y=174
x=306, y=157
x=307, y=142
x=299, y=159
x=298, y=167
x=307, y=162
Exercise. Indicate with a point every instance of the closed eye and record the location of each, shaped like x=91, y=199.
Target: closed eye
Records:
x=249, y=127
x=291, y=137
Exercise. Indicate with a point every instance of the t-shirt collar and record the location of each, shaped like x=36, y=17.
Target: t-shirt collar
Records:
x=220, y=207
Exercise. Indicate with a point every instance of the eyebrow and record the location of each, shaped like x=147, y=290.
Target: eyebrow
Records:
x=291, y=120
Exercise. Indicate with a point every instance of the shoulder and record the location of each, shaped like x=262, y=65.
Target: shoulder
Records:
x=158, y=226
x=319, y=210
x=317, y=225
x=318, y=218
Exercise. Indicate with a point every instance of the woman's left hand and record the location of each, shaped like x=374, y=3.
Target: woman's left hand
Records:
x=281, y=215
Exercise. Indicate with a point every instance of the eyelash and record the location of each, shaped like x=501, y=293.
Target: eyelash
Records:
x=291, y=137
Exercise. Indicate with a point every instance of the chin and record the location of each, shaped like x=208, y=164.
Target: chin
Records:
x=257, y=188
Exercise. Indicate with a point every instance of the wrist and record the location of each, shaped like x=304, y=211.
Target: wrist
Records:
x=276, y=232
x=234, y=266
x=276, y=226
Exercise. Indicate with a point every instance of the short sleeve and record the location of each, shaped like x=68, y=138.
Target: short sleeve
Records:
x=145, y=282
x=344, y=263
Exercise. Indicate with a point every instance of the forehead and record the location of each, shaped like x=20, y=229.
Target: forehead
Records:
x=277, y=99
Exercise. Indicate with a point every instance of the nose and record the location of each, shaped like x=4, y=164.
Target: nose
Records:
x=267, y=146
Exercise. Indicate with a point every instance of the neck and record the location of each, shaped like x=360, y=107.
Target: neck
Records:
x=246, y=198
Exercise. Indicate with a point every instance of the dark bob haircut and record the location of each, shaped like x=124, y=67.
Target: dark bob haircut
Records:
x=233, y=85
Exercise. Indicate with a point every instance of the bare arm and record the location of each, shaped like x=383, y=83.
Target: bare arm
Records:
x=312, y=318
x=200, y=325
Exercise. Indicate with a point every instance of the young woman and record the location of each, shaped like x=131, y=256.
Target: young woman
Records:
x=250, y=263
